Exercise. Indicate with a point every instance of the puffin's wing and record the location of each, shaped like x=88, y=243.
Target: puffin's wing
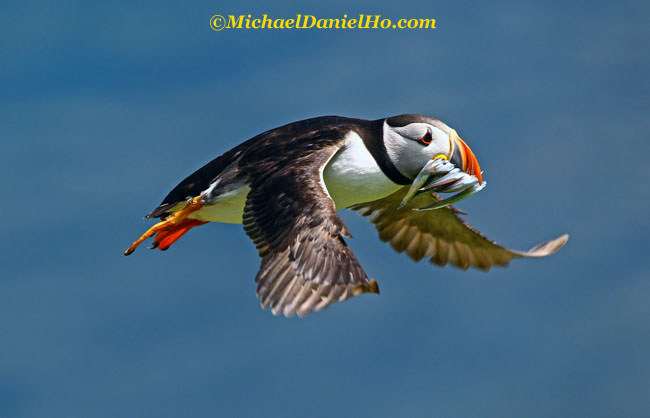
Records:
x=289, y=215
x=441, y=235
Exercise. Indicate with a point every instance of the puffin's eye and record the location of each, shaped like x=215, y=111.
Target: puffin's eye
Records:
x=427, y=138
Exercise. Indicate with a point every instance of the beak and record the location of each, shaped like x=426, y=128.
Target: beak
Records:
x=458, y=171
x=463, y=157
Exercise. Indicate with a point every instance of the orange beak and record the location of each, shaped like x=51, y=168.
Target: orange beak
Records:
x=463, y=157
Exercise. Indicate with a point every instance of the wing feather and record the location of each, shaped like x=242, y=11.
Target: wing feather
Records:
x=441, y=235
x=289, y=216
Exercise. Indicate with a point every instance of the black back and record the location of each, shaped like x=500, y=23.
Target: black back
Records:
x=275, y=145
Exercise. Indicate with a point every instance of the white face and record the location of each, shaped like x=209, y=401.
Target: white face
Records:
x=411, y=146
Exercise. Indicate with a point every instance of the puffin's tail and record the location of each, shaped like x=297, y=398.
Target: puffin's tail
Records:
x=172, y=228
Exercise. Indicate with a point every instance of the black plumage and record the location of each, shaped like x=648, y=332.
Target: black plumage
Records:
x=277, y=147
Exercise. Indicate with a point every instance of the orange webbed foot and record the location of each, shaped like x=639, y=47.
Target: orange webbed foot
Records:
x=164, y=239
x=172, y=228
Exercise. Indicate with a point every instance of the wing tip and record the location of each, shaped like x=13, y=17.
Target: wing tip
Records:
x=548, y=247
x=289, y=309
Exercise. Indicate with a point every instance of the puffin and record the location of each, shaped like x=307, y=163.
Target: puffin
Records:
x=285, y=186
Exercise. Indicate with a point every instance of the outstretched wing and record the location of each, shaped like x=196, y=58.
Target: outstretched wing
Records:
x=289, y=215
x=441, y=234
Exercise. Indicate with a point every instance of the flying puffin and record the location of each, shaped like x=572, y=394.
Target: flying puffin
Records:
x=286, y=184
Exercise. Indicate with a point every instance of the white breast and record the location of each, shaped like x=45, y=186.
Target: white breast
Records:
x=352, y=175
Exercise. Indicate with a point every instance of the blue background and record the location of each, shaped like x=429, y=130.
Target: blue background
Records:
x=103, y=109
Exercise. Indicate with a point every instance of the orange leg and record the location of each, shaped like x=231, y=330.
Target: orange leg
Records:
x=164, y=239
x=172, y=220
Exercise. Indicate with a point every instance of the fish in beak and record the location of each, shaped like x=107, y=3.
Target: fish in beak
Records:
x=458, y=172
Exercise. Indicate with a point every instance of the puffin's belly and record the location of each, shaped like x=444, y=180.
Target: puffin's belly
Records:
x=228, y=208
x=352, y=176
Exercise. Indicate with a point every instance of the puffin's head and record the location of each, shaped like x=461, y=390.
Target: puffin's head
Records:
x=413, y=140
